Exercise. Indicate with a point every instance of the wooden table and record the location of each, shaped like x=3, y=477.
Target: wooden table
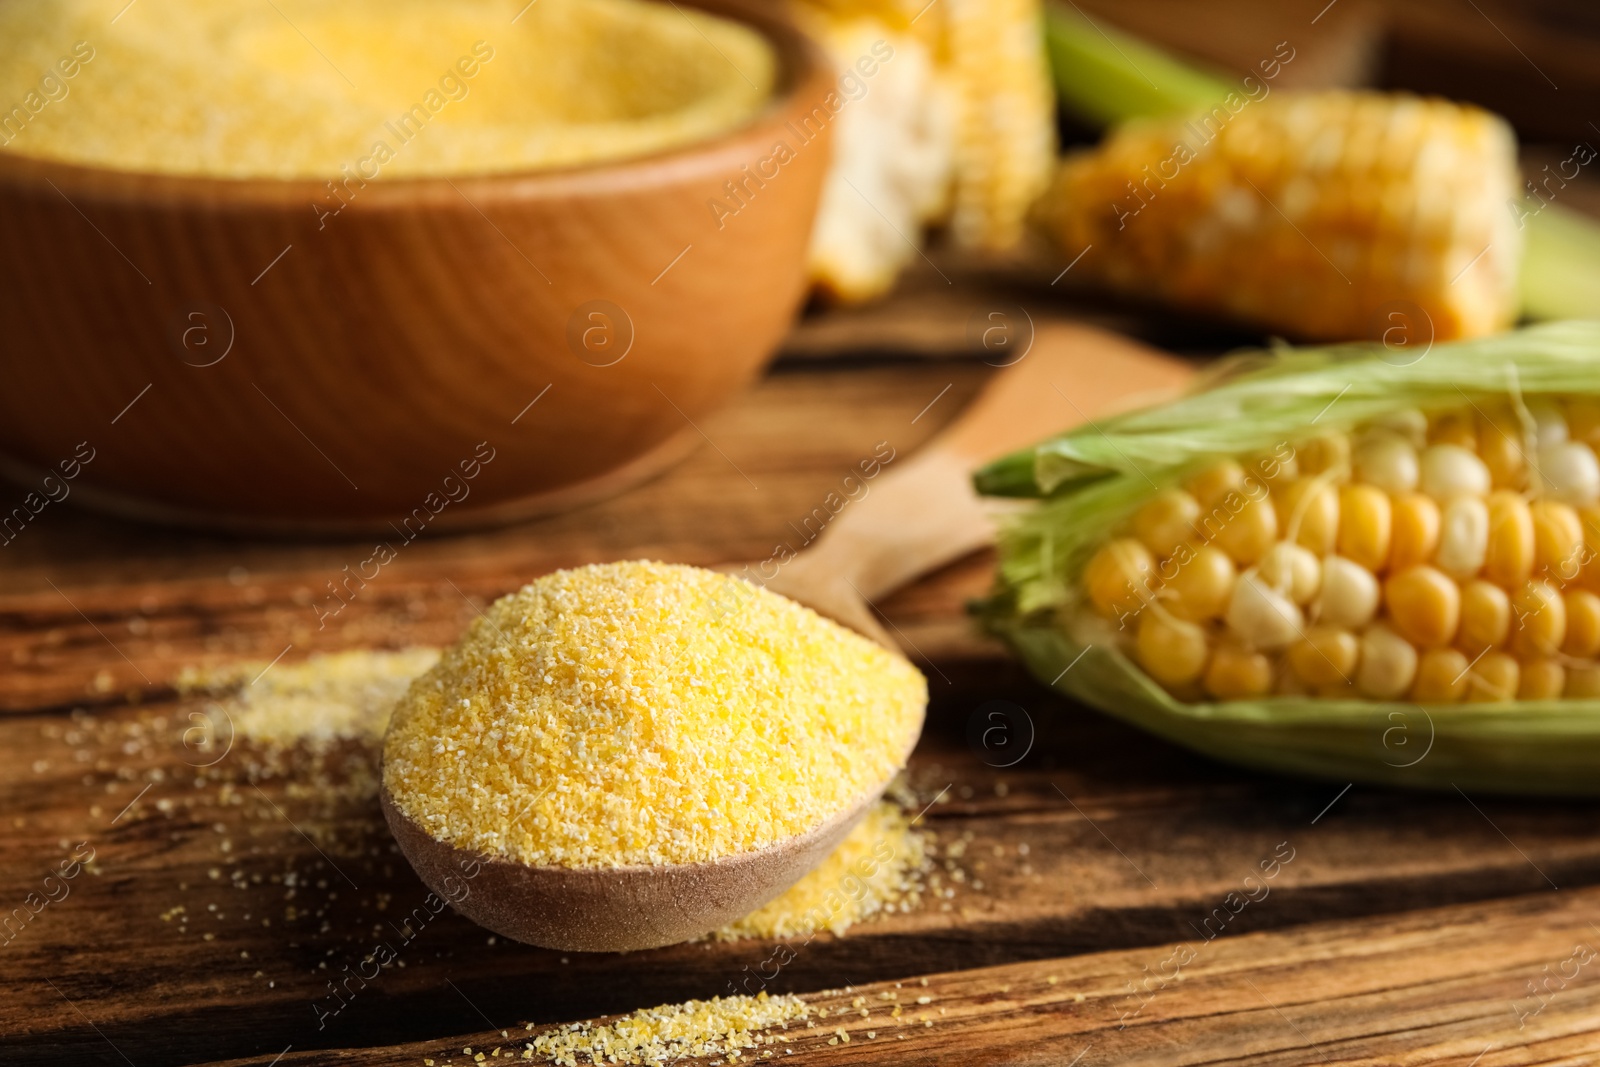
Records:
x=1101, y=916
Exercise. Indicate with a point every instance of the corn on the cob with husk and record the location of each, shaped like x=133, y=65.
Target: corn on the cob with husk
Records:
x=1370, y=212
x=1274, y=569
x=1315, y=215
x=956, y=127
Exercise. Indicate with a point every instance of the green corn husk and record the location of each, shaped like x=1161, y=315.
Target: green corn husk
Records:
x=1090, y=480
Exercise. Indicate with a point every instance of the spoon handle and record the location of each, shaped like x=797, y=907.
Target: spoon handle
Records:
x=922, y=513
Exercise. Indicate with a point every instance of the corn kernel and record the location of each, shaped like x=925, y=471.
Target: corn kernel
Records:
x=1171, y=651
x=1210, y=485
x=1238, y=674
x=1542, y=679
x=1539, y=620
x=1485, y=617
x=1387, y=461
x=1200, y=588
x=1407, y=423
x=1463, y=537
x=1583, y=420
x=1308, y=514
x=1449, y=470
x=1276, y=467
x=1260, y=616
x=1500, y=446
x=1509, y=555
x=1569, y=472
x=1582, y=639
x=1424, y=604
x=1365, y=522
x=1326, y=656
x=1247, y=535
x=1583, y=682
x=1557, y=540
x=1118, y=577
x=1166, y=521
x=1326, y=453
x=1414, y=531
x=1441, y=677
x=1349, y=595
x=1493, y=679
x=1453, y=428
x=1388, y=664
x=1292, y=570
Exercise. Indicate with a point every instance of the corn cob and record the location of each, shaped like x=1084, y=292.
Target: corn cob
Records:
x=1316, y=215
x=957, y=128
x=1273, y=569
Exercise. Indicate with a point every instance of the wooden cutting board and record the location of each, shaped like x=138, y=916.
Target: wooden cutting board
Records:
x=1405, y=927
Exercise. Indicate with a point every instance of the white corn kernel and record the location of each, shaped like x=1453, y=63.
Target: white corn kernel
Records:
x=1387, y=461
x=1388, y=664
x=1262, y=617
x=1349, y=596
x=1463, y=537
x=1450, y=470
x=1569, y=473
x=1291, y=569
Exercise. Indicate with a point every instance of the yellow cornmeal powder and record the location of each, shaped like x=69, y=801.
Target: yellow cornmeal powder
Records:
x=313, y=88
x=647, y=713
x=340, y=696
x=880, y=868
x=666, y=1034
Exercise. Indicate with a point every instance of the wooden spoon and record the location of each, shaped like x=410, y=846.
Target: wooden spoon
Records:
x=919, y=516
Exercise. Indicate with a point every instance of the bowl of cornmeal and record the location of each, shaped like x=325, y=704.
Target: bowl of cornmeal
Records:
x=308, y=266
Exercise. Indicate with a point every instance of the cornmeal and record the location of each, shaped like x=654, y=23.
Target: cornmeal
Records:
x=362, y=89
x=647, y=713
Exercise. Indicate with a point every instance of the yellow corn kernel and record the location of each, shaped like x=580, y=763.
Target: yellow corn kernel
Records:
x=1326, y=656
x=1166, y=521
x=1485, y=617
x=1463, y=537
x=1441, y=677
x=1171, y=651
x=1539, y=620
x=1557, y=540
x=1388, y=664
x=1583, y=682
x=1583, y=420
x=1237, y=673
x=1247, y=534
x=1500, y=446
x=1276, y=467
x=1542, y=679
x=1117, y=579
x=1493, y=679
x=1508, y=558
x=1414, y=530
x=1424, y=604
x=1292, y=570
x=1210, y=485
x=1583, y=624
x=1365, y=524
x=1308, y=514
x=1453, y=428
x=1202, y=584
x=1327, y=452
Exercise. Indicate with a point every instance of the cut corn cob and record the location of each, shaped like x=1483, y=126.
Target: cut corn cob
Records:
x=957, y=127
x=1288, y=567
x=1334, y=215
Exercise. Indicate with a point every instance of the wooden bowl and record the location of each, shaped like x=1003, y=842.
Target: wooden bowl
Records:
x=439, y=353
x=612, y=909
